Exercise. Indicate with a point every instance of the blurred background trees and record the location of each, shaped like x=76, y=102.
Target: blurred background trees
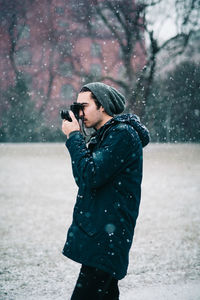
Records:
x=50, y=49
x=173, y=111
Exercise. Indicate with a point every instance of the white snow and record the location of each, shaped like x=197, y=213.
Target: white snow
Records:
x=37, y=193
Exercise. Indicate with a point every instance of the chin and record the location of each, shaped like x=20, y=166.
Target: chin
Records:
x=88, y=126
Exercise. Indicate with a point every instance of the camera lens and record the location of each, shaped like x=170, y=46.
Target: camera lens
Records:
x=65, y=115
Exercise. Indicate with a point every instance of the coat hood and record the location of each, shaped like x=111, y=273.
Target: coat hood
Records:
x=134, y=121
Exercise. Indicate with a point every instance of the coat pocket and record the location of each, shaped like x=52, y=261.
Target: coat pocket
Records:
x=84, y=222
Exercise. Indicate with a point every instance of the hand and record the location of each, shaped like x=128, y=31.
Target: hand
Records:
x=68, y=127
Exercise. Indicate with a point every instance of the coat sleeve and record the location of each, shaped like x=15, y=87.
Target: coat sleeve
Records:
x=74, y=166
x=97, y=168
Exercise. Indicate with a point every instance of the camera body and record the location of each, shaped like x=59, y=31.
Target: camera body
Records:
x=75, y=108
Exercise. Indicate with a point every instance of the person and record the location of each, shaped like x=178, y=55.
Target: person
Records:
x=108, y=172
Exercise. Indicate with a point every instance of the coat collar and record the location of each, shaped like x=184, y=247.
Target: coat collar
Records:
x=130, y=119
x=99, y=134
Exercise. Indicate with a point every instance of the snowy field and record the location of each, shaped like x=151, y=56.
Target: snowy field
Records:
x=37, y=194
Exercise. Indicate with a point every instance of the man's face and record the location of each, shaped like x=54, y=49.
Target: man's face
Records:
x=92, y=116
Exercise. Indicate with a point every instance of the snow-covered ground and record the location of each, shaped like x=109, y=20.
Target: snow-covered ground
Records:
x=37, y=193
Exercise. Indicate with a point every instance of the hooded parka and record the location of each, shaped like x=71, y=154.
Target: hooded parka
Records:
x=108, y=173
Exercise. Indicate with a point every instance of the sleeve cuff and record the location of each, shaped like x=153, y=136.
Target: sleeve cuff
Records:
x=74, y=135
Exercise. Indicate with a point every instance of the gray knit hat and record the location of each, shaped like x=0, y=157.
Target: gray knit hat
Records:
x=112, y=101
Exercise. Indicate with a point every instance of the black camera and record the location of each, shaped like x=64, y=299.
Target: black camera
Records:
x=75, y=108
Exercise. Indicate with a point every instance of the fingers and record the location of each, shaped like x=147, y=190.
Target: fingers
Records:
x=68, y=127
x=72, y=115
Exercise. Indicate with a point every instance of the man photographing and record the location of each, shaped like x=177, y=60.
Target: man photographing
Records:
x=108, y=172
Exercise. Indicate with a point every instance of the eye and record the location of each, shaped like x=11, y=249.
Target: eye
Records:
x=85, y=105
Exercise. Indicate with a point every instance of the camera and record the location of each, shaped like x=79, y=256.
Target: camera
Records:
x=75, y=108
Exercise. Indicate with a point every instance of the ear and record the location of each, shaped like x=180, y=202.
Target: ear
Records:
x=102, y=109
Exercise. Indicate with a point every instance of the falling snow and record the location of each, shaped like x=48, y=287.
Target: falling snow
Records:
x=37, y=198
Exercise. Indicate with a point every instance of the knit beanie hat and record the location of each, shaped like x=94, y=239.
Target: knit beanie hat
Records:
x=112, y=101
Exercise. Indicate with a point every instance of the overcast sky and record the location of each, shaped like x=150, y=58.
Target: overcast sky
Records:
x=162, y=18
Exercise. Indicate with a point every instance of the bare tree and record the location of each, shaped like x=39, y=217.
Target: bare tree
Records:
x=127, y=23
x=12, y=20
x=119, y=21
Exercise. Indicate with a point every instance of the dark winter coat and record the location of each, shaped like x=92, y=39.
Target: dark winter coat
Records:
x=108, y=173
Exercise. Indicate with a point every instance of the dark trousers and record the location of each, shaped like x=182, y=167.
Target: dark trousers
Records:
x=95, y=284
